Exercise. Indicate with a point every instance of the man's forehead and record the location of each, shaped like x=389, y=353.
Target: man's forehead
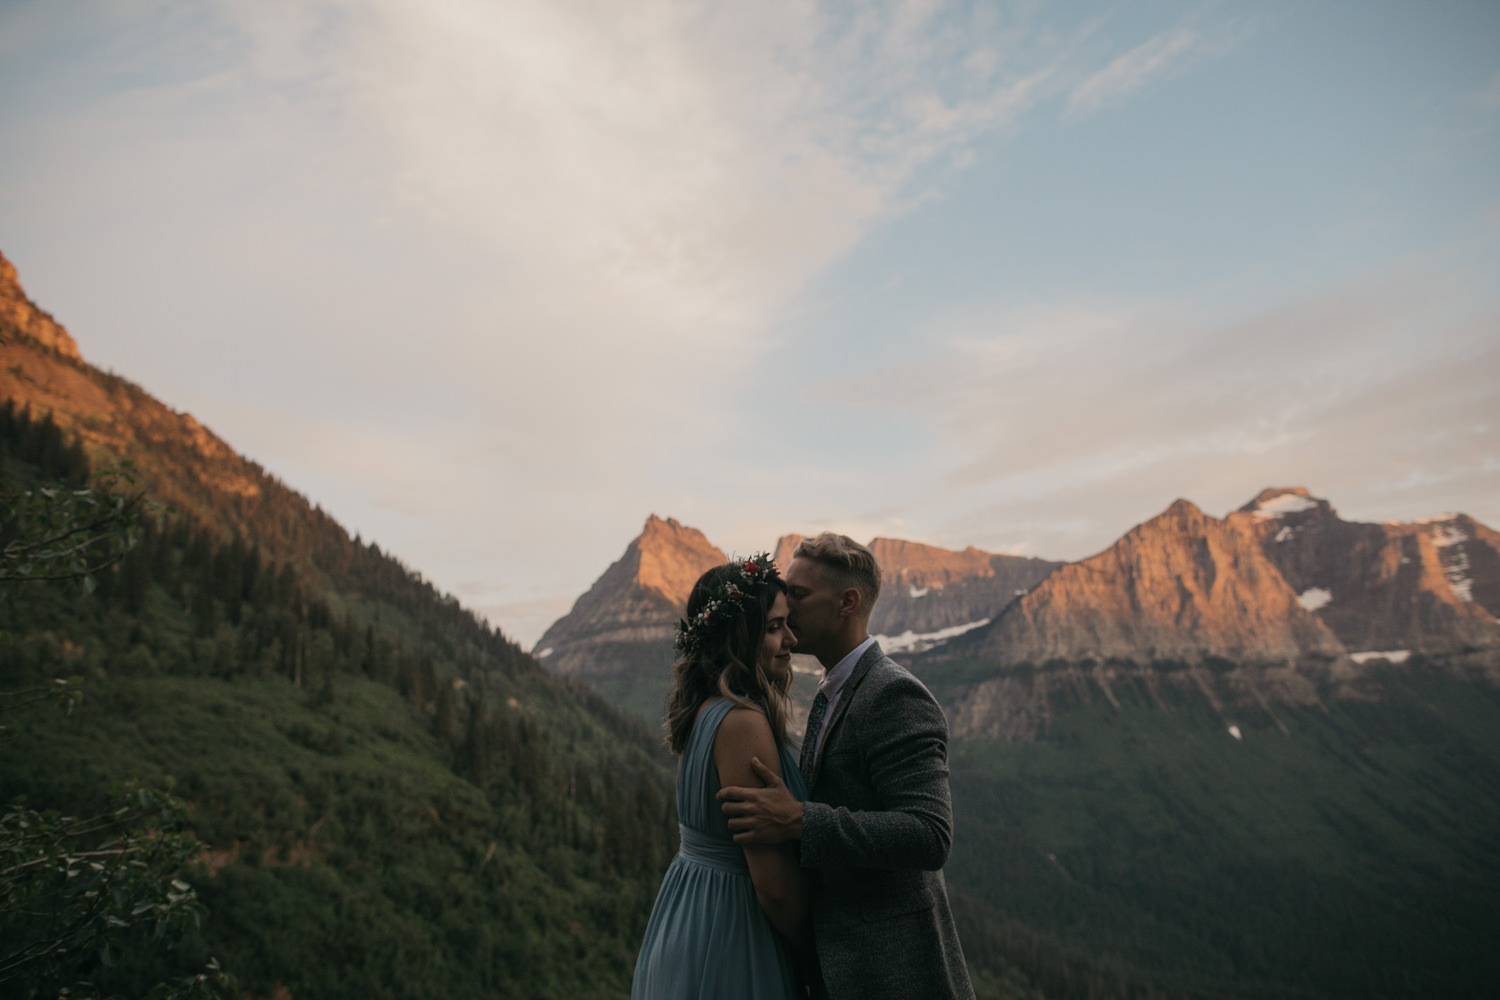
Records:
x=806, y=572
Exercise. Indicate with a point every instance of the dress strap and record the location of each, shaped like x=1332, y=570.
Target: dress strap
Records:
x=698, y=781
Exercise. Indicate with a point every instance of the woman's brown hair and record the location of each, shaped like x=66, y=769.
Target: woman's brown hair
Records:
x=726, y=662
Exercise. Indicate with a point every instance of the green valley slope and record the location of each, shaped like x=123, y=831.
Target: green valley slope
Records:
x=1142, y=849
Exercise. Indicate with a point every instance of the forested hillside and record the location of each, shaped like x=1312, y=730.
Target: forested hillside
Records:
x=1346, y=849
x=395, y=799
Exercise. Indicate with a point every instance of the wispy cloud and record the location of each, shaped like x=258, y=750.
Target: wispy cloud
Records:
x=652, y=183
x=1060, y=427
x=1132, y=70
x=604, y=211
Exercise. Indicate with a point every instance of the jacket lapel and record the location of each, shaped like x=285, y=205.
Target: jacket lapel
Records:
x=872, y=656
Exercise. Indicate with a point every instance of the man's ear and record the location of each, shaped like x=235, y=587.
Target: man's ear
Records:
x=850, y=601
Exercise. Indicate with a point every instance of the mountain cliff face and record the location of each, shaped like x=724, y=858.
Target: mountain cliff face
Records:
x=618, y=636
x=1432, y=586
x=1183, y=586
x=1263, y=607
x=1183, y=605
x=786, y=546
x=20, y=317
x=179, y=461
x=929, y=595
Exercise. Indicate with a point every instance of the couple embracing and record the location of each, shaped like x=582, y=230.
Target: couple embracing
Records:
x=813, y=874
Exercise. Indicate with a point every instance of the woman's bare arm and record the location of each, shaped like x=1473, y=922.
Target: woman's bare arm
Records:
x=780, y=884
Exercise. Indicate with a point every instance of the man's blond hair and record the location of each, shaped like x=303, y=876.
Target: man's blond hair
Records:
x=850, y=563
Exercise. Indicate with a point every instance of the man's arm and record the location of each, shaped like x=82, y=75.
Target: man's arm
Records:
x=904, y=741
x=766, y=815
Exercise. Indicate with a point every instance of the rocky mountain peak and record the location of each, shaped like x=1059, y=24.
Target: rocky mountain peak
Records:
x=621, y=630
x=1282, y=502
x=917, y=565
x=669, y=557
x=785, y=546
x=1182, y=586
x=1430, y=586
x=40, y=368
x=18, y=314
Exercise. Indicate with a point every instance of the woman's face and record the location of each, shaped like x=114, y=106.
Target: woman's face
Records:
x=777, y=644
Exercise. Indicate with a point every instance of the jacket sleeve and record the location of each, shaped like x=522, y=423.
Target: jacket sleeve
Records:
x=903, y=745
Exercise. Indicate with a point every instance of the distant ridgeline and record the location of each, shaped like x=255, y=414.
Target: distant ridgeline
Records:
x=397, y=800
x=1256, y=755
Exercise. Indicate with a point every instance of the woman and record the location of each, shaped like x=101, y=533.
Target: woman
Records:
x=728, y=918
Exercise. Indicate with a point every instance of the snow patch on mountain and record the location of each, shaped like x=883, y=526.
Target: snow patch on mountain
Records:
x=1280, y=506
x=914, y=642
x=1449, y=537
x=1393, y=655
x=1314, y=598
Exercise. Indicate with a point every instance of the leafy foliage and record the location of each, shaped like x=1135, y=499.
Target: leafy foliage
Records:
x=53, y=533
x=70, y=887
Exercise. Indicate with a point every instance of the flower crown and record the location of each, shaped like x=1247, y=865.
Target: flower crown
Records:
x=727, y=600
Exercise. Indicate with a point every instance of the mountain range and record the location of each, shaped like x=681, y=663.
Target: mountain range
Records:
x=1282, y=597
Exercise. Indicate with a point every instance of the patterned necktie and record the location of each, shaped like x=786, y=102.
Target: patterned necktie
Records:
x=810, y=740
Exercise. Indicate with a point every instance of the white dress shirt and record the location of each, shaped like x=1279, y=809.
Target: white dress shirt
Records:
x=833, y=686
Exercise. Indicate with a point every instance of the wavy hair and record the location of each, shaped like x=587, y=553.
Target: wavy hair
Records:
x=726, y=663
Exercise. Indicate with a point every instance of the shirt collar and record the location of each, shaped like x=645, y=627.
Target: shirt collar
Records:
x=833, y=683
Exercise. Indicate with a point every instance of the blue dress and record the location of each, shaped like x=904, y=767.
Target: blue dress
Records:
x=708, y=937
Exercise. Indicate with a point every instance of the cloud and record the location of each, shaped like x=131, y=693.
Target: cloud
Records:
x=1132, y=70
x=647, y=186
x=1058, y=428
x=631, y=197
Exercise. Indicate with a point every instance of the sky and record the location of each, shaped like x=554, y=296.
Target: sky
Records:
x=493, y=281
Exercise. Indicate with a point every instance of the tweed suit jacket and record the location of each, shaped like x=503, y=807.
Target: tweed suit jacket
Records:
x=876, y=830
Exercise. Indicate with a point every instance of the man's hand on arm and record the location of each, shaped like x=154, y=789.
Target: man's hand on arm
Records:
x=769, y=815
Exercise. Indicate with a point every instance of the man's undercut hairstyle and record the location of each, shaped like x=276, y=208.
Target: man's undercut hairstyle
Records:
x=849, y=563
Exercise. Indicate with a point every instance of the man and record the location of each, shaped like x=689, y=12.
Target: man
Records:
x=878, y=822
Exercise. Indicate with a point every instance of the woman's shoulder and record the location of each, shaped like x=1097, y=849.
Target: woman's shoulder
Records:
x=742, y=721
x=745, y=731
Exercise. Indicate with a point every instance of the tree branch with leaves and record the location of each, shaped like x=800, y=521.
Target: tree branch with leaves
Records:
x=51, y=534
